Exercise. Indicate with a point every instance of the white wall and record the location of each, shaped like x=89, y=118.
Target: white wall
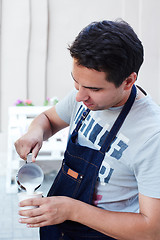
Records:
x=35, y=62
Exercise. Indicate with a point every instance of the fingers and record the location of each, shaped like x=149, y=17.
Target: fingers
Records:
x=38, y=225
x=21, y=149
x=37, y=217
x=29, y=142
x=35, y=151
x=33, y=216
x=34, y=222
x=24, y=146
x=50, y=211
x=31, y=212
x=32, y=202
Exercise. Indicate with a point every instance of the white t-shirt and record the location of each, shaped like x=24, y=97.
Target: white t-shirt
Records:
x=132, y=164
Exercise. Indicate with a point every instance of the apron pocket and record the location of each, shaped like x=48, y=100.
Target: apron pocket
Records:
x=66, y=183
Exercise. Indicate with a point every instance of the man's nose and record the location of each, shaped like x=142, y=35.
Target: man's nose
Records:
x=82, y=95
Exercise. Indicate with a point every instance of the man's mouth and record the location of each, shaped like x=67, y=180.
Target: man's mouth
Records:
x=88, y=104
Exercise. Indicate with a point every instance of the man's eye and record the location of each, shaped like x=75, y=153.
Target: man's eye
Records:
x=95, y=89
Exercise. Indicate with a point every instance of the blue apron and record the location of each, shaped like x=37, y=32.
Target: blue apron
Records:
x=77, y=178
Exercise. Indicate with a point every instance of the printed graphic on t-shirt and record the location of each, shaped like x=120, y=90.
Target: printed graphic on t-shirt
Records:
x=96, y=134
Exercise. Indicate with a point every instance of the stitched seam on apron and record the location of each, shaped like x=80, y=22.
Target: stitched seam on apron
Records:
x=102, y=153
x=82, y=159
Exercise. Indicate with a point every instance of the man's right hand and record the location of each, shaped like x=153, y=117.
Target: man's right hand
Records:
x=29, y=142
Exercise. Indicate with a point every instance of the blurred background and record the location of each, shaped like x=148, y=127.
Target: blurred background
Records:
x=35, y=66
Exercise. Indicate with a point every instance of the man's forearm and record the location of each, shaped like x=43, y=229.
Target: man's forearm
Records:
x=42, y=125
x=119, y=225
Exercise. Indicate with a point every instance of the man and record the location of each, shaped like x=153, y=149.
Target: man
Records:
x=108, y=186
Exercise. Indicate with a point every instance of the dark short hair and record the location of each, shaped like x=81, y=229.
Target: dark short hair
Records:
x=109, y=46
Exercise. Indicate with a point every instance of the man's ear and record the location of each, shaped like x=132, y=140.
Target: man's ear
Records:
x=129, y=81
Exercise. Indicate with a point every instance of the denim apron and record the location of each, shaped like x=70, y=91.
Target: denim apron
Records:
x=77, y=178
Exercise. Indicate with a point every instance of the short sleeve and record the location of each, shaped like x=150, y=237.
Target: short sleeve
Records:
x=147, y=167
x=65, y=107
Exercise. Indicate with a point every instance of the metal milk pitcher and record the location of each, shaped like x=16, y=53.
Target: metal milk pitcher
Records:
x=30, y=176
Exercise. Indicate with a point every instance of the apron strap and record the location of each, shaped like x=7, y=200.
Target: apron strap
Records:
x=83, y=117
x=119, y=121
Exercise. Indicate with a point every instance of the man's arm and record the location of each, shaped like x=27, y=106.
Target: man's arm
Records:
x=41, y=128
x=144, y=225
x=119, y=225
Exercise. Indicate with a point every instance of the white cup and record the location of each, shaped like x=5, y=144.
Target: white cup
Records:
x=23, y=196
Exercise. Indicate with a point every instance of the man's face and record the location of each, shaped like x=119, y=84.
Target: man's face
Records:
x=95, y=91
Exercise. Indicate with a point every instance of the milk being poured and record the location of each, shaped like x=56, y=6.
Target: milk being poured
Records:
x=31, y=184
x=30, y=176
